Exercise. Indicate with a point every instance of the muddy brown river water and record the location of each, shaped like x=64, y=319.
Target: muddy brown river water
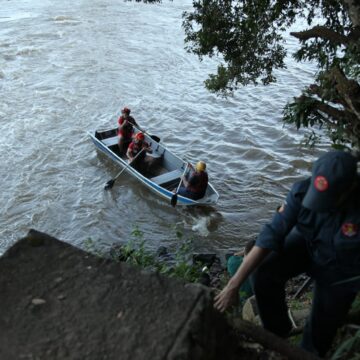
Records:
x=67, y=67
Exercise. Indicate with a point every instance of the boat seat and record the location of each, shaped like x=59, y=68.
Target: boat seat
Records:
x=154, y=155
x=110, y=141
x=167, y=177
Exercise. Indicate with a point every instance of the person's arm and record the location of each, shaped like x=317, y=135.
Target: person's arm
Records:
x=273, y=234
x=185, y=182
x=189, y=178
x=228, y=296
x=271, y=238
x=133, y=121
x=192, y=180
x=147, y=147
x=129, y=153
x=122, y=123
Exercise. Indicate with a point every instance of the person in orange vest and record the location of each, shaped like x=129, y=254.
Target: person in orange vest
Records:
x=135, y=147
x=126, y=129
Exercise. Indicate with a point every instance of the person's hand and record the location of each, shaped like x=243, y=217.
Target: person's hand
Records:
x=190, y=166
x=227, y=297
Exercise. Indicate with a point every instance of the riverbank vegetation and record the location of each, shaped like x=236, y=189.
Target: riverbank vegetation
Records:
x=175, y=264
x=179, y=262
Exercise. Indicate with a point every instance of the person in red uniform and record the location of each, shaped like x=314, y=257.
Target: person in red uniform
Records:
x=135, y=147
x=195, y=183
x=126, y=129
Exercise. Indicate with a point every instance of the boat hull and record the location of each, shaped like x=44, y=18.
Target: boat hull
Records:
x=108, y=146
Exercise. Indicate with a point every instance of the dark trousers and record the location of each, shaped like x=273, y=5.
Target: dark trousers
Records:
x=330, y=303
x=185, y=192
x=123, y=144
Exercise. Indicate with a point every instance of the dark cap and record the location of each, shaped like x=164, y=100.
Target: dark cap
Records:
x=332, y=175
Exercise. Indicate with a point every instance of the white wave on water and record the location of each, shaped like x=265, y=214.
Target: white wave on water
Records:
x=27, y=52
x=62, y=18
x=66, y=20
x=201, y=226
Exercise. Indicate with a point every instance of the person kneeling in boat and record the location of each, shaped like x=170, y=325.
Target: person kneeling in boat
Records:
x=195, y=182
x=138, y=144
x=125, y=130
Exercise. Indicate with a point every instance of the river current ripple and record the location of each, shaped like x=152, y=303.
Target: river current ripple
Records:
x=67, y=67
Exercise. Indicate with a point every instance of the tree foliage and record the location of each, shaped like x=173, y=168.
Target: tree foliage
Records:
x=248, y=35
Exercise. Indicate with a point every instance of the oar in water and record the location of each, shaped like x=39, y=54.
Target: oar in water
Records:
x=111, y=182
x=173, y=200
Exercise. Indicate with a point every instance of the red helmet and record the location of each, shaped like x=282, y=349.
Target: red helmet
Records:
x=126, y=110
x=139, y=136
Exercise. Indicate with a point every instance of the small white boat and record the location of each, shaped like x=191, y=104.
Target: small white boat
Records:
x=165, y=173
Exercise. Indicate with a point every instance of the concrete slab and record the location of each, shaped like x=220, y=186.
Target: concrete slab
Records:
x=59, y=302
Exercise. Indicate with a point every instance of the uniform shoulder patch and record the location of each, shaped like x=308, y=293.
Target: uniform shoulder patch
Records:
x=321, y=183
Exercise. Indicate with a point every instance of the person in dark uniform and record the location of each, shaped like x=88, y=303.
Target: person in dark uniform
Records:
x=195, y=183
x=125, y=130
x=317, y=231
